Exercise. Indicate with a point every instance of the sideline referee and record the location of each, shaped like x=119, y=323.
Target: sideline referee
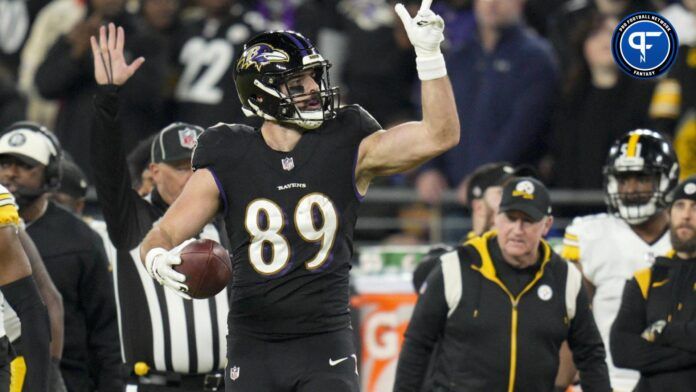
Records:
x=168, y=343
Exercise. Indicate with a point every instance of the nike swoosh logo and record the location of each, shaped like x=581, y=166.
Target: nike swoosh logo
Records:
x=422, y=23
x=336, y=362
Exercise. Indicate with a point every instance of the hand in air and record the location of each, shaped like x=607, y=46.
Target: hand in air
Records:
x=109, y=63
x=425, y=31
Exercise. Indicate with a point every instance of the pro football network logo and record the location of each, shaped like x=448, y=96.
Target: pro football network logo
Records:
x=260, y=55
x=644, y=45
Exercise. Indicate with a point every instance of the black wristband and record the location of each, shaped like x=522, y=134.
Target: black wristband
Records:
x=22, y=294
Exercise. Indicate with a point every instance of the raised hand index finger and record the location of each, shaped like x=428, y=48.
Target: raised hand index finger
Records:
x=425, y=5
x=403, y=14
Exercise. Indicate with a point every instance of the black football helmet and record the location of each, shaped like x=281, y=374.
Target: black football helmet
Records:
x=642, y=152
x=267, y=62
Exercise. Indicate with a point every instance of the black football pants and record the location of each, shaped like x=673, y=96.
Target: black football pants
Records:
x=317, y=363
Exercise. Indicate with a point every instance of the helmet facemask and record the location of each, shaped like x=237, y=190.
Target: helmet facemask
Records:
x=638, y=206
x=326, y=97
x=285, y=101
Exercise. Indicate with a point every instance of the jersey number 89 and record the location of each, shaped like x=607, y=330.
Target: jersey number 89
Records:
x=270, y=232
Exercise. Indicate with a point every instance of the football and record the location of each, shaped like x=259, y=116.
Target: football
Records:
x=207, y=267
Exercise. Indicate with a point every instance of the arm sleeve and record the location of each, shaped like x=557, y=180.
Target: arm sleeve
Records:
x=588, y=350
x=96, y=288
x=426, y=326
x=24, y=298
x=681, y=335
x=120, y=204
x=630, y=350
x=60, y=73
x=49, y=293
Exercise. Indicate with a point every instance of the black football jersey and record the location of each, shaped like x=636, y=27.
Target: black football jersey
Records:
x=205, y=51
x=290, y=217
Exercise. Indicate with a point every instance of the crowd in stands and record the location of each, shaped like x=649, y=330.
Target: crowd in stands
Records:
x=535, y=80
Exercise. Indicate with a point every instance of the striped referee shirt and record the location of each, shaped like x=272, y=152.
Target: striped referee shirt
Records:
x=156, y=326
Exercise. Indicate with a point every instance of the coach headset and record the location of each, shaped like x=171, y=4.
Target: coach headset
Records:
x=53, y=172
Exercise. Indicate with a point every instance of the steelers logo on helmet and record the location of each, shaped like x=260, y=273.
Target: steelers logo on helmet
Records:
x=271, y=76
x=640, y=172
x=644, y=45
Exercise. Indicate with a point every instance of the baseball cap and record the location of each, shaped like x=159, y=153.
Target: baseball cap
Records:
x=493, y=174
x=685, y=190
x=527, y=195
x=74, y=181
x=486, y=176
x=31, y=147
x=174, y=143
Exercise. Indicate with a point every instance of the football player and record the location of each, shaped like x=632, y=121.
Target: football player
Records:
x=641, y=169
x=17, y=286
x=289, y=192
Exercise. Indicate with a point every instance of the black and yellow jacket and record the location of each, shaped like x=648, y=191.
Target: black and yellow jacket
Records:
x=666, y=291
x=491, y=340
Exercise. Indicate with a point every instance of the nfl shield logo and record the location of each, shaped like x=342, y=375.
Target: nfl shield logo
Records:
x=288, y=163
x=187, y=138
x=234, y=373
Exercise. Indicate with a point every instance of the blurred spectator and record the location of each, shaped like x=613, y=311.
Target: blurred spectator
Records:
x=373, y=31
x=161, y=15
x=15, y=21
x=504, y=79
x=598, y=104
x=66, y=74
x=12, y=103
x=205, y=54
x=273, y=15
x=673, y=105
x=563, y=22
x=459, y=19
x=57, y=18
x=682, y=15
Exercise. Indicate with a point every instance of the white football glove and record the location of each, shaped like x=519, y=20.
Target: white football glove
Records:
x=425, y=32
x=159, y=264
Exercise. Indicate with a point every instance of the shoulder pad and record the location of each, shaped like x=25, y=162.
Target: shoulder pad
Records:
x=8, y=209
x=220, y=140
x=368, y=124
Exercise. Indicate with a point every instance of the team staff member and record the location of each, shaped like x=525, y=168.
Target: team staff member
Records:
x=73, y=255
x=17, y=286
x=500, y=306
x=162, y=334
x=655, y=330
x=483, y=191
